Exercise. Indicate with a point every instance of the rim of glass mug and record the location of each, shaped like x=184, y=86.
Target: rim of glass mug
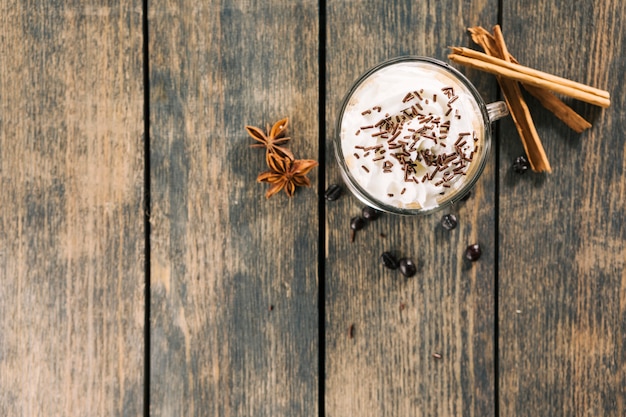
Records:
x=489, y=113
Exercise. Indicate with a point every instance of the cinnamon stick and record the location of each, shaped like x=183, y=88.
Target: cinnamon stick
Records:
x=507, y=63
x=562, y=111
x=521, y=115
x=495, y=66
x=517, y=106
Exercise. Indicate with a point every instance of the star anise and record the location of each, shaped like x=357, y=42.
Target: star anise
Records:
x=287, y=174
x=272, y=140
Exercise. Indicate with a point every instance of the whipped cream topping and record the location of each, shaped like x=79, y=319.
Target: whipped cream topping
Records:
x=410, y=134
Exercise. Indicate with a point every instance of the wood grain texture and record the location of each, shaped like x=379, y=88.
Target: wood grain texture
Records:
x=71, y=220
x=387, y=367
x=563, y=239
x=223, y=255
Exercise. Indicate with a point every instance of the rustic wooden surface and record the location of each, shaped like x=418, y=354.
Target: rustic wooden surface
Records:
x=71, y=209
x=251, y=301
x=222, y=255
x=387, y=368
x=562, y=269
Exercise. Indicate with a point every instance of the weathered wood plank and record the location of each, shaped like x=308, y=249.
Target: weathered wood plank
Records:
x=223, y=255
x=387, y=367
x=71, y=220
x=563, y=239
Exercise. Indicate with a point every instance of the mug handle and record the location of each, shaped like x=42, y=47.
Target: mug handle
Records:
x=497, y=110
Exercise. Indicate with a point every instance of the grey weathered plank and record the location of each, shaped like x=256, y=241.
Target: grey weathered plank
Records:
x=71, y=220
x=222, y=255
x=563, y=240
x=387, y=367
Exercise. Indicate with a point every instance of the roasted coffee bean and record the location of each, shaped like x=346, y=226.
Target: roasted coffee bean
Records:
x=356, y=223
x=448, y=221
x=333, y=192
x=370, y=213
x=473, y=252
x=389, y=260
x=521, y=164
x=407, y=267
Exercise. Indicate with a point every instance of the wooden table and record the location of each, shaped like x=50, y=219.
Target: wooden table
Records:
x=143, y=272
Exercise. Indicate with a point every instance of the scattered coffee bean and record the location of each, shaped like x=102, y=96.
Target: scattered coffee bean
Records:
x=473, y=252
x=448, y=221
x=389, y=260
x=407, y=267
x=521, y=164
x=333, y=192
x=356, y=223
x=370, y=213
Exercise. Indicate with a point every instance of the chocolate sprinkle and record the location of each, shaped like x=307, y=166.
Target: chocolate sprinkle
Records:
x=407, y=146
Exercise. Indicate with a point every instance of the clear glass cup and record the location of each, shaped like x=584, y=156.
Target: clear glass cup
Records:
x=413, y=135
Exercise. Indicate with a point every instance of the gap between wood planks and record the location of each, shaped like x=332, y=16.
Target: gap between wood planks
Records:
x=147, y=204
x=321, y=185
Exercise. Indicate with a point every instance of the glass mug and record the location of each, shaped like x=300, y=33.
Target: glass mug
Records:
x=413, y=136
